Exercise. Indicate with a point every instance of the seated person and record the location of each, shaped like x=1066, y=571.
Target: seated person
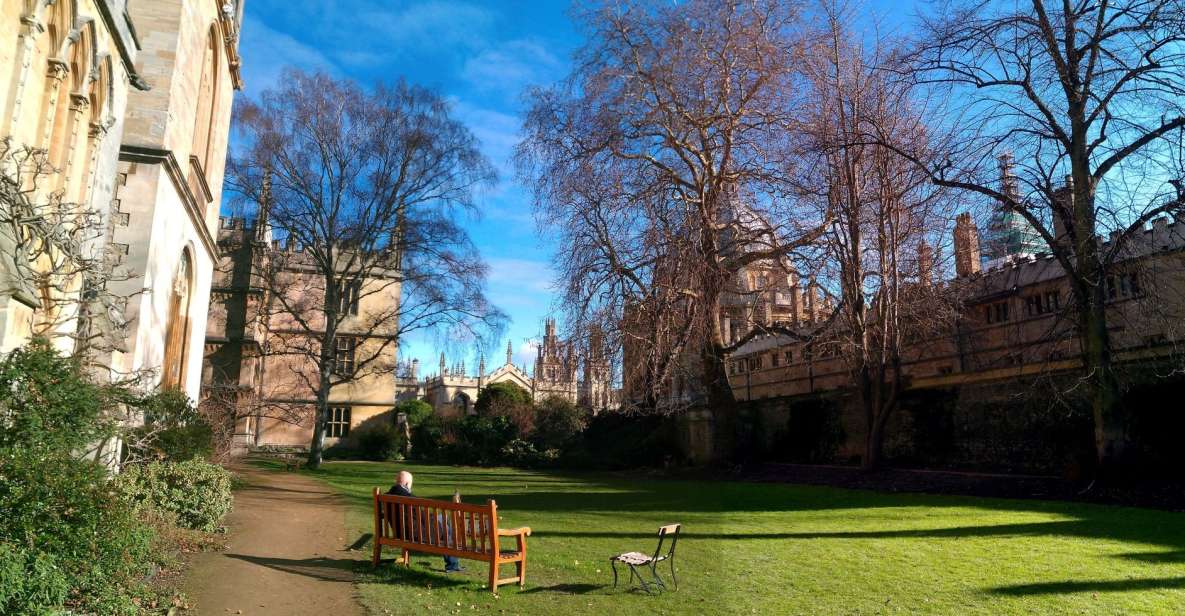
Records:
x=402, y=487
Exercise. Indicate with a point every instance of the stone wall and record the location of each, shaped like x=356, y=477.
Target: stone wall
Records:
x=1034, y=426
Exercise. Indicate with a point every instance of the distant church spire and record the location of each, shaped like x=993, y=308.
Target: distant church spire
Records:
x=442, y=370
x=509, y=352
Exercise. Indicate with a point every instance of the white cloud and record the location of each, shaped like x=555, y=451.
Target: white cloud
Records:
x=508, y=68
x=266, y=52
x=521, y=275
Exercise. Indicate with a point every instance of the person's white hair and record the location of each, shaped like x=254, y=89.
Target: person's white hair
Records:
x=404, y=479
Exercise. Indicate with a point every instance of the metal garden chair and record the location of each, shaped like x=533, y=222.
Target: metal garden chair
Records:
x=637, y=559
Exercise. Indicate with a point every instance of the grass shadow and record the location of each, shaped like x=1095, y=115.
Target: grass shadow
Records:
x=566, y=589
x=1094, y=586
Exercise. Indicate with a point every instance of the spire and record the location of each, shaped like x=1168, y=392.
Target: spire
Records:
x=442, y=370
x=481, y=365
x=509, y=353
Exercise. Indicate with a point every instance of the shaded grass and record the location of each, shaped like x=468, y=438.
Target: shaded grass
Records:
x=781, y=549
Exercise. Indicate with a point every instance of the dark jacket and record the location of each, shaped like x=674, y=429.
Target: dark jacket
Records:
x=397, y=522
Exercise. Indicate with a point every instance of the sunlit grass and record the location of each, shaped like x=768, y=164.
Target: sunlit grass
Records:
x=779, y=549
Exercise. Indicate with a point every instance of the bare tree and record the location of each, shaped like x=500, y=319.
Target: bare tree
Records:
x=362, y=191
x=1090, y=91
x=53, y=256
x=882, y=211
x=662, y=159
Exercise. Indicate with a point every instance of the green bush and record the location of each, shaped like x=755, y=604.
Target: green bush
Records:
x=524, y=454
x=428, y=438
x=382, y=442
x=47, y=403
x=501, y=394
x=173, y=429
x=197, y=492
x=558, y=423
x=62, y=524
x=417, y=411
x=480, y=440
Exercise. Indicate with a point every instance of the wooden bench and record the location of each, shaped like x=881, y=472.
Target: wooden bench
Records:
x=448, y=529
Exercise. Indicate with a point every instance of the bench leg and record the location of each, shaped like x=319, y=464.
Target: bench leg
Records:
x=406, y=558
x=494, y=576
x=613, y=563
x=378, y=548
x=521, y=568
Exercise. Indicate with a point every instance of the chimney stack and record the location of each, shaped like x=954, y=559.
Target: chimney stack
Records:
x=925, y=264
x=1008, y=183
x=966, y=246
x=1063, y=209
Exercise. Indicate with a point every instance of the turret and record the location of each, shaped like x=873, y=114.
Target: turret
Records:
x=966, y=246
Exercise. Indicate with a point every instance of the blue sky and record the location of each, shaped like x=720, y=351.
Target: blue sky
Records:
x=480, y=55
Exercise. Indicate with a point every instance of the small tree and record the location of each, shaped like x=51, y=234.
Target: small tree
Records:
x=417, y=411
x=557, y=423
x=362, y=187
x=506, y=399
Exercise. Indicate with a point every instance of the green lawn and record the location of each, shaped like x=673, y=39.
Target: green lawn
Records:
x=780, y=549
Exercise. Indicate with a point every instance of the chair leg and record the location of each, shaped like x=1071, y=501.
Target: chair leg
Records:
x=521, y=568
x=654, y=572
x=406, y=558
x=378, y=548
x=641, y=580
x=674, y=579
x=494, y=576
x=613, y=563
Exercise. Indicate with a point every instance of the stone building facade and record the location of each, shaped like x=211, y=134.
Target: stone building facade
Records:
x=130, y=103
x=67, y=70
x=256, y=354
x=1013, y=344
x=169, y=182
x=561, y=369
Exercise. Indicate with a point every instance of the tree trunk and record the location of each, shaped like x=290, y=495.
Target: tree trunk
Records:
x=1110, y=425
x=721, y=402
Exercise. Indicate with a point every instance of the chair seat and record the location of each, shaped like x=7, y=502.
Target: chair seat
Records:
x=633, y=558
x=509, y=555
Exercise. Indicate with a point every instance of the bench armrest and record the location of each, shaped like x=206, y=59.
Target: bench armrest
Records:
x=514, y=532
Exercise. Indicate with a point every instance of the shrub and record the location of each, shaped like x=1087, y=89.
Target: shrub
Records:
x=62, y=525
x=501, y=394
x=382, y=442
x=173, y=429
x=524, y=454
x=417, y=411
x=197, y=492
x=558, y=423
x=480, y=440
x=47, y=404
x=623, y=440
x=428, y=438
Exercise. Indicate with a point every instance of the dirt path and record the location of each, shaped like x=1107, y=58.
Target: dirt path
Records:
x=287, y=553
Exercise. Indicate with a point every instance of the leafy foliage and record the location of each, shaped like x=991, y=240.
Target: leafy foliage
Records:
x=501, y=395
x=70, y=539
x=417, y=411
x=381, y=442
x=47, y=404
x=558, y=423
x=480, y=440
x=198, y=492
x=173, y=428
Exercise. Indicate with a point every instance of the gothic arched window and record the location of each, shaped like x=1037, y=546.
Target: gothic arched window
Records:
x=206, y=95
x=177, y=332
